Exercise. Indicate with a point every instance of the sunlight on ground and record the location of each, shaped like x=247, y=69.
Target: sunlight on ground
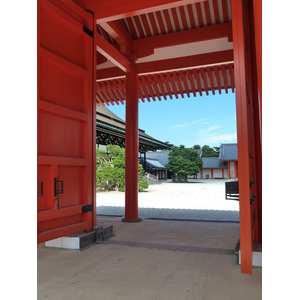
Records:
x=203, y=199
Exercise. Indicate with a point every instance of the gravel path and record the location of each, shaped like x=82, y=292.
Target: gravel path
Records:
x=198, y=199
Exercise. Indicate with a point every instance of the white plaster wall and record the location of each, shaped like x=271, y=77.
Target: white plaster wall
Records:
x=217, y=173
x=226, y=173
x=207, y=171
x=231, y=169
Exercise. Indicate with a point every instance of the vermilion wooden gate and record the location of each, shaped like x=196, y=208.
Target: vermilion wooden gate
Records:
x=65, y=143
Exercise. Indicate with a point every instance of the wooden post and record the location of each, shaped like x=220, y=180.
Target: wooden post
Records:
x=131, y=147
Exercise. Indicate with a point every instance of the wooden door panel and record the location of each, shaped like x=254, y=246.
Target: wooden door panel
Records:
x=64, y=119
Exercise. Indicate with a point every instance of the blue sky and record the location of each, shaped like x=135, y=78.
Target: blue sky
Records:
x=206, y=120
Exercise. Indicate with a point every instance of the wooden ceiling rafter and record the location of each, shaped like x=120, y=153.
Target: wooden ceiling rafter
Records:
x=216, y=12
x=160, y=85
x=154, y=86
x=217, y=76
x=230, y=67
x=143, y=87
x=184, y=82
x=210, y=79
x=120, y=9
x=171, y=80
x=167, y=85
x=224, y=77
x=196, y=75
x=133, y=31
x=191, y=80
x=203, y=77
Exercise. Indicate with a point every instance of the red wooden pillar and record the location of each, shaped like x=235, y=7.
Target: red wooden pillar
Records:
x=131, y=146
x=222, y=173
x=211, y=174
x=228, y=169
x=235, y=170
x=257, y=15
x=238, y=28
x=253, y=76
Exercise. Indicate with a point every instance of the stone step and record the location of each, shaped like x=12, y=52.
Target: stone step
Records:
x=82, y=240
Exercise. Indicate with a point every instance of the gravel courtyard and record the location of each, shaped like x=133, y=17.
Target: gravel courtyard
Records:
x=198, y=199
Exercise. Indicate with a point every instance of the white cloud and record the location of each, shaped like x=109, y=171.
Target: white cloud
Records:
x=202, y=131
x=222, y=138
x=199, y=121
x=180, y=125
x=203, y=121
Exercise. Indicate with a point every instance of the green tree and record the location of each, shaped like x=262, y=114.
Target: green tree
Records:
x=184, y=161
x=110, y=172
x=208, y=151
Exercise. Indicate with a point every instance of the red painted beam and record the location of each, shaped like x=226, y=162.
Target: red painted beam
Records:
x=183, y=37
x=174, y=64
x=110, y=73
x=118, y=32
x=106, y=11
x=187, y=62
x=111, y=53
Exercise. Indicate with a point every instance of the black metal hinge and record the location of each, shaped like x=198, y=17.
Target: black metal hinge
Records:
x=88, y=31
x=40, y=189
x=58, y=187
x=87, y=208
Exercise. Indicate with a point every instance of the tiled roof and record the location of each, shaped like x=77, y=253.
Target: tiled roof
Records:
x=228, y=152
x=111, y=130
x=161, y=156
x=153, y=163
x=211, y=162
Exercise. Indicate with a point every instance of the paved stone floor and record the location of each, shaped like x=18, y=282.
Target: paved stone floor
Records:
x=156, y=259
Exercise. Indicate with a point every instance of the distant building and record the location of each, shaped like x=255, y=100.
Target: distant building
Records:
x=223, y=167
x=154, y=163
x=110, y=129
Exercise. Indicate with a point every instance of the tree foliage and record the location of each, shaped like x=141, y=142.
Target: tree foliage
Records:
x=184, y=161
x=110, y=172
x=208, y=151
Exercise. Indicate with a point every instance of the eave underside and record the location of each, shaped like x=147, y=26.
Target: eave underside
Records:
x=180, y=48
